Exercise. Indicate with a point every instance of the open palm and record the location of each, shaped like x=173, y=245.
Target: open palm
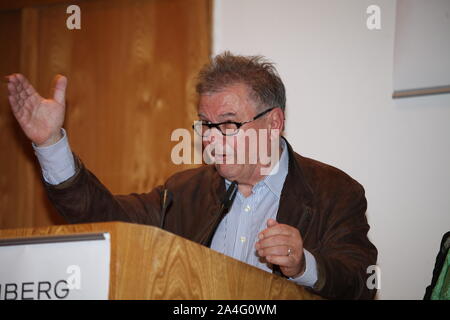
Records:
x=41, y=119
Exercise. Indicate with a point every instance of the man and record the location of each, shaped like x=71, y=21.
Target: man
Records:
x=304, y=220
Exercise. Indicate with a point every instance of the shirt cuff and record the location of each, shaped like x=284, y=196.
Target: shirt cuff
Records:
x=309, y=277
x=56, y=160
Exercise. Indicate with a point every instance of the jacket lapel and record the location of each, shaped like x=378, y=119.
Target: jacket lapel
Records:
x=296, y=198
x=295, y=206
x=216, y=192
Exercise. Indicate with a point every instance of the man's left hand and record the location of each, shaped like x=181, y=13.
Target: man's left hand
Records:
x=282, y=245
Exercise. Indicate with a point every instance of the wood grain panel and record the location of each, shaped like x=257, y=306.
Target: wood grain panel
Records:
x=131, y=73
x=150, y=263
x=19, y=173
x=13, y=195
x=128, y=68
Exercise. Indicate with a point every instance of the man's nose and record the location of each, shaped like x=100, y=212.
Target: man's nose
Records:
x=212, y=135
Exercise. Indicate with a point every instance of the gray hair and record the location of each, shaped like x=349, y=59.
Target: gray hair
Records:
x=259, y=74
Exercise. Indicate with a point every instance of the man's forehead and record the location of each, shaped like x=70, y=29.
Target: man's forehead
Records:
x=229, y=102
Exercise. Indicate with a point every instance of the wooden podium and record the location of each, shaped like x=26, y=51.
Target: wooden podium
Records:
x=150, y=263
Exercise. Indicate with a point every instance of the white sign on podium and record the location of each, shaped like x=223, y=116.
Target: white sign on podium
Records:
x=56, y=267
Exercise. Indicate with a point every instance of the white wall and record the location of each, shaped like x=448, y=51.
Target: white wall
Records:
x=338, y=76
x=422, y=44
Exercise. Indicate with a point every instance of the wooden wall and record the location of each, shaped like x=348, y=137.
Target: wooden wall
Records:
x=131, y=73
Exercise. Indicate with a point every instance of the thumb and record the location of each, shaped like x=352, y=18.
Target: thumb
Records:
x=59, y=92
x=271, y=223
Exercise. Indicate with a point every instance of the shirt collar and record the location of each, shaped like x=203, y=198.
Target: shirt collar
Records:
x=275, y=180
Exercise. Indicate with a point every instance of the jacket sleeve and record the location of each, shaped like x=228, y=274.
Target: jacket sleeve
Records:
x=83, y=198
x=345, y=251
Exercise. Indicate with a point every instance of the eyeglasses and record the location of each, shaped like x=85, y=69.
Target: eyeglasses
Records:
x=227, y=128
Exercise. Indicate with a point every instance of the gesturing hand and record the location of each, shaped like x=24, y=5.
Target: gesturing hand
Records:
x=41, y=119
x=282, y=245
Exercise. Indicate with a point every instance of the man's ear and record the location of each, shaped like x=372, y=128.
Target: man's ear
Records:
x=276, y=123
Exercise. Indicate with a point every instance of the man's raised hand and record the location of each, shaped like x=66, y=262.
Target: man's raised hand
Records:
x=41, y=119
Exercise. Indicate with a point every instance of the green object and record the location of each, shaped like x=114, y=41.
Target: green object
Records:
x=441, y=290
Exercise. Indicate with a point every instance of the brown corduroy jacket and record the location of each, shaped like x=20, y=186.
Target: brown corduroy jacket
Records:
x=326, y=205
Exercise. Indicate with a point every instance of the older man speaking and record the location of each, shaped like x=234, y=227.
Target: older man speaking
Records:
x=303, y=219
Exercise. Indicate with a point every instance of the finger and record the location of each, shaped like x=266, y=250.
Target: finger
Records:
x=282, y=261
x=282, y=250
x=20, y=102
x=22, y=84
x=12, y=78
x=14, y=104
x=279, y=229
x=18, y=87
x=12, y=88
x=8, y=77
x=278, y=240
x=19, y=80
x=23, y=94
x=29, y=89
x=271, y=223
x=59, y=93
x=25, y=90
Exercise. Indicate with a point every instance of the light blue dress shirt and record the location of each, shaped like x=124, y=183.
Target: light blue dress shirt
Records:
x=236, y=234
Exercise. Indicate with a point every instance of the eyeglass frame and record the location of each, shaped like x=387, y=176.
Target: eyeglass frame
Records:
x=216, y=125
